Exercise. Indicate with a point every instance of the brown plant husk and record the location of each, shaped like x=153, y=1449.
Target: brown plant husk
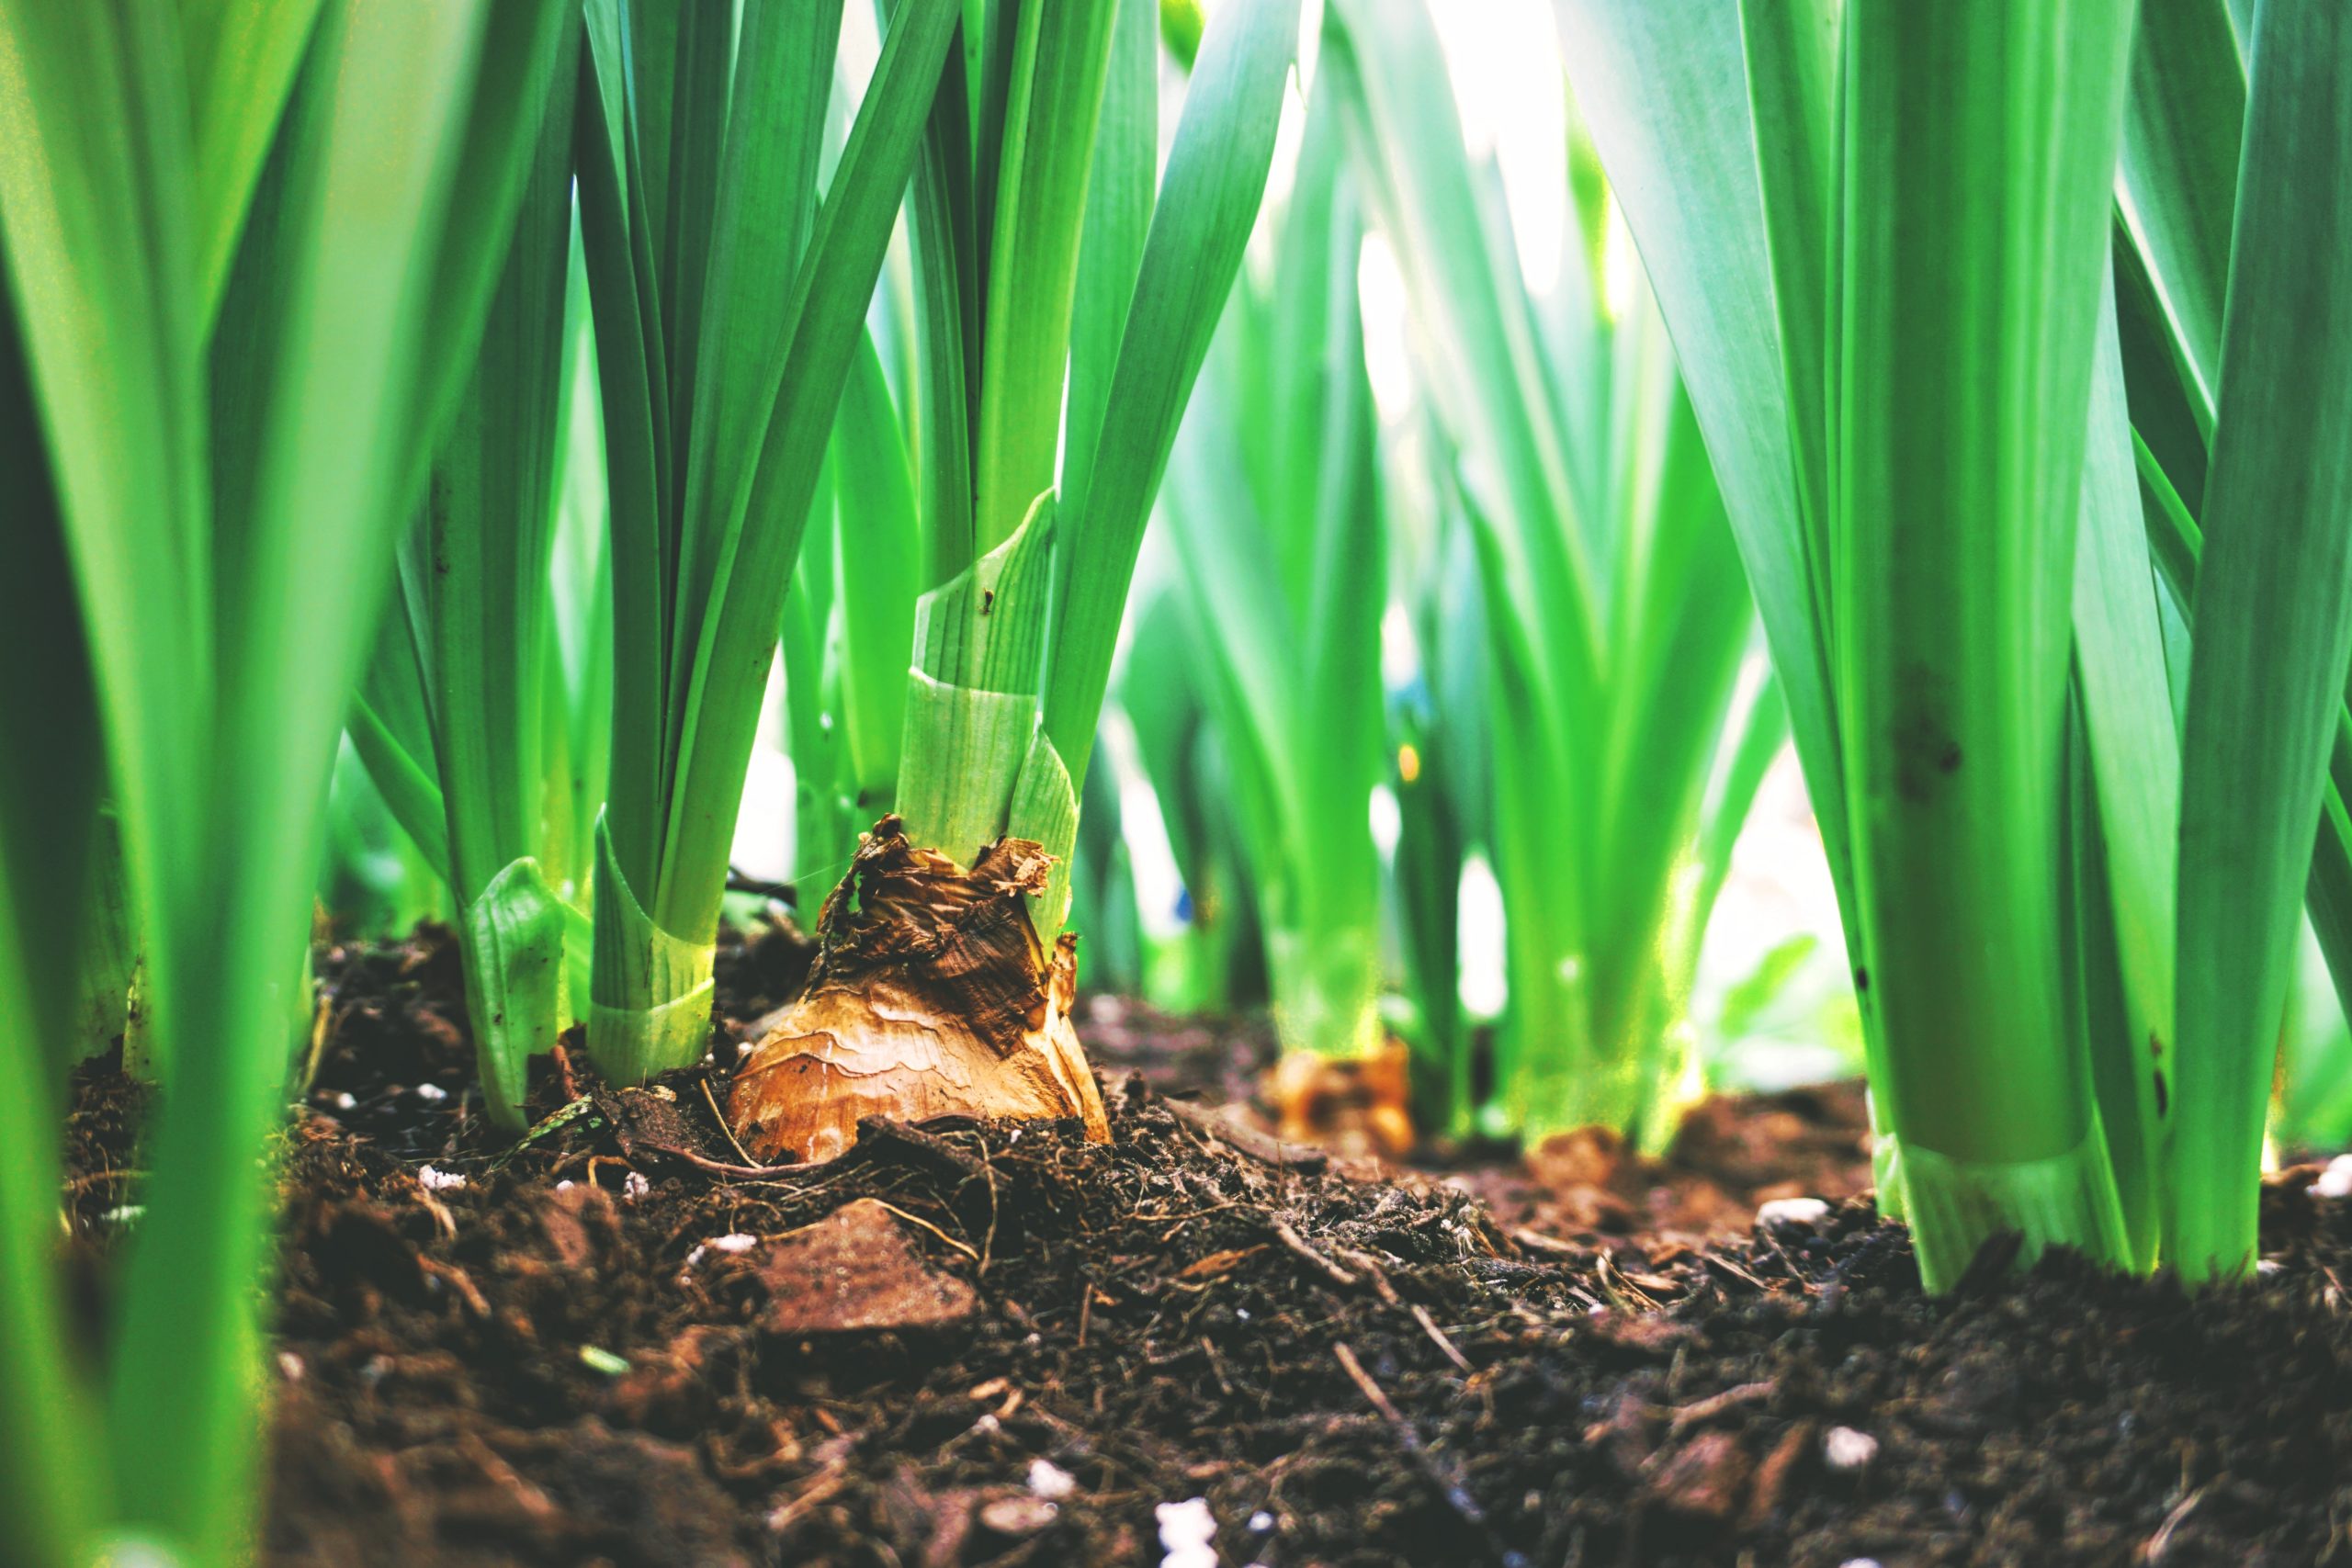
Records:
x=930, y=995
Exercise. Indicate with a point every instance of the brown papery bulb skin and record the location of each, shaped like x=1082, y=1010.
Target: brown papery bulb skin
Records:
x=930, y=995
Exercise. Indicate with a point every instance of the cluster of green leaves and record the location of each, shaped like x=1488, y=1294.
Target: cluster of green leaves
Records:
x=1951, y=403
x=1616, y=614
x=729, y=286
x=249, y=251
x=464, y=713
x=1273, y=505
x=950, y=638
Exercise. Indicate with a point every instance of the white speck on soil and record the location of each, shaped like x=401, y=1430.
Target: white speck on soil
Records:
x=2335, y=1181
x=1846, y=1448
x=431, y=1093
x=1050, y=1480
x=433, y=1181
x=1187, y=1534
x=634, y=1186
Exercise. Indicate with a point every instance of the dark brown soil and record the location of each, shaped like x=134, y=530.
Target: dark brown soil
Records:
x=559, y=1360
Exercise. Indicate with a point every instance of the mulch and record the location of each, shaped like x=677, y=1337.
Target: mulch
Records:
x=965, y=1344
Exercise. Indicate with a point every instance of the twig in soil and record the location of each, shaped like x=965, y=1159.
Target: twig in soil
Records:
x=929, y=1147
x=529, y=1498
x=1429, y=1327
x=1409, y=1439
x=733, y=1141
x=1550, y=1245
x=1297, y=1243
x=1716, y=1404
x=439, y=1211
x=722, y=1168
x=963, y=1246
x=1262, y=1147
x=828, y=1481
x=2154, y=1548
x=1714, y=1259
x=564, y=1074
x=1216, y=1366
x=458, y=1280
x=1371, y=1266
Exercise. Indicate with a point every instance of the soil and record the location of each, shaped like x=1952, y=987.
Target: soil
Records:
x=961, y=1344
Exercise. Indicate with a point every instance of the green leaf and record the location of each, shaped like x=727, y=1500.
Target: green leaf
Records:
x=2178, y=180
x=877, y=548
x=1663, y=84
x=1216, y=176
x=1979, y=159
x=2274, y=618
x=1061, y=55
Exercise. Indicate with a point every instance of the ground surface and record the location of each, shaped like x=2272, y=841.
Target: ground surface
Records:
x=598, y=1349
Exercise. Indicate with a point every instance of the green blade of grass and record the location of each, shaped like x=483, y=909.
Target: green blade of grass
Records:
x=2274, y=618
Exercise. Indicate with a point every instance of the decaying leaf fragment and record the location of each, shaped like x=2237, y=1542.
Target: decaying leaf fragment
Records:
x=930, y=995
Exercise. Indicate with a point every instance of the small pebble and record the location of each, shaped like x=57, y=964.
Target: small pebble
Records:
x=431, y=1093
x=290, y=1365
x=1050, y=1480
x=1803, y=1212
x=1261, y=1522
x=433, y=1181
x=2335, y=1181
x=1017, y=1517
x=634, y=1186
x=345, y=1102
x=1187, y=1534
x=566, y=1185
x=1846, y=1448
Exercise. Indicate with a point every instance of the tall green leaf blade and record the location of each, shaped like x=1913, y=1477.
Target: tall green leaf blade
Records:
x=369, y=233
x=1452, y=244
x=1663, y=84
x=2274, y=618
x=1216, y=176
x=1061, y=56
x=2178, y=180
x=834, y=282
x=876, y=562
x=1119, y=200
x=483, y=595
x=1980, y=148
x=241, y=67
x=2125, y=702
x=1792, y=55
x=52, y=1474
